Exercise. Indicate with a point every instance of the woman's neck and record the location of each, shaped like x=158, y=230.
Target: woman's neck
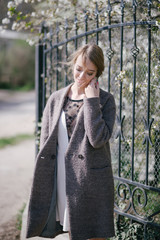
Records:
x=76, y=93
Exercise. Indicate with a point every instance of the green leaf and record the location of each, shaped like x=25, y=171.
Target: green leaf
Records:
x=19, y=18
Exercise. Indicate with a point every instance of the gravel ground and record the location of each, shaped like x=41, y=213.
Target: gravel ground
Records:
x=10, y=230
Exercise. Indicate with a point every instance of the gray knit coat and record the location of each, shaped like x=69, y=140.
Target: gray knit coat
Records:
x=89, y=178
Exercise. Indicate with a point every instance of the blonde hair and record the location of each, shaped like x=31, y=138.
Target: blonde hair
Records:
x=92, y=52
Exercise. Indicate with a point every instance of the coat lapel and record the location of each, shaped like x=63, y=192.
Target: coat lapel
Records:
x=58, y=107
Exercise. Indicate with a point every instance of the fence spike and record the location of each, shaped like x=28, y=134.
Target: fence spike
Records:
x=66, y=24
x=122, y=4
x=109, y=7
x=97, y=10
x=135, y=3
x=149, y=2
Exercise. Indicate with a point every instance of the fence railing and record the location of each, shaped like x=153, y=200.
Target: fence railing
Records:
x=132, y=74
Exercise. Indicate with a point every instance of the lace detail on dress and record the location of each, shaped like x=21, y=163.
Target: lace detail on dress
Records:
x=71, y=109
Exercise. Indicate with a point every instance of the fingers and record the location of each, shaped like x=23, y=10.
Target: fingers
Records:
x=94, y=80
x=84, y=84
x=94, y=83
x=92, y=90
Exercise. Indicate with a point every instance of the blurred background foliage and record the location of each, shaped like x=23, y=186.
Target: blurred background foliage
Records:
x=16, y=57
x=16, y=65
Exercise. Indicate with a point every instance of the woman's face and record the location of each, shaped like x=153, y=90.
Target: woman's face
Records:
x=84, y=72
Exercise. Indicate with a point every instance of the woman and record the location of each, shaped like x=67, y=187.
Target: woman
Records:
x=73, y=187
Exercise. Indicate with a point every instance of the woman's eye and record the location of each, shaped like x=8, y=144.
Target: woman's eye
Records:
x=90, y=74
x=78, y=69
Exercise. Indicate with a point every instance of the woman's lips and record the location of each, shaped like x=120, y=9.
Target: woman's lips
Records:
x=80, y=81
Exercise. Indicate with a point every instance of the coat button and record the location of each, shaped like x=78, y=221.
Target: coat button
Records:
x=80, y=156
x=53, y=156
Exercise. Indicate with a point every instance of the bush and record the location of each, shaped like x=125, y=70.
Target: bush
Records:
x=16, y=65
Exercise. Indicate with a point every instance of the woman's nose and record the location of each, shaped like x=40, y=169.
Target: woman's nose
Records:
x=81, y=75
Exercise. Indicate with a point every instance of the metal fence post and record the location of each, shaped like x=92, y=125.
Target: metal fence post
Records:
x=39, y=89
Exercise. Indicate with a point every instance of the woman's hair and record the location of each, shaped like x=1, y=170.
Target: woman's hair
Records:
x=92, y=52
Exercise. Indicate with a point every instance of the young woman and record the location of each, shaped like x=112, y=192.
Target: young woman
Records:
x=73, y=186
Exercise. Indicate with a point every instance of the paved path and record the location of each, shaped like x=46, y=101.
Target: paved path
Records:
x=16, y=167
x=17, y=114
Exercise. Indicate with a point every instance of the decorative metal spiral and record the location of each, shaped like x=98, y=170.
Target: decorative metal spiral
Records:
x=123, y=196
x=129, y=201
x=141, y=203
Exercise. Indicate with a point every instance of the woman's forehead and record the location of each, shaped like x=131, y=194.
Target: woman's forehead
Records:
x=83, y=60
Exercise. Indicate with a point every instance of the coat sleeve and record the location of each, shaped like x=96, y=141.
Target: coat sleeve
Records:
x=99, y=122
x=45, y=126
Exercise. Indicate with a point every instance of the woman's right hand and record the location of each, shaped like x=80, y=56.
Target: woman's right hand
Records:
x=92, y=89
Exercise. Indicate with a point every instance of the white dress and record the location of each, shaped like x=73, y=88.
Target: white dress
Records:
x=69, y=115
x=62, y=210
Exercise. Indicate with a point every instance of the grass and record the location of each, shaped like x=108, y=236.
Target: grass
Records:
x=14, y=140
x=19, y=217
x=24, y=88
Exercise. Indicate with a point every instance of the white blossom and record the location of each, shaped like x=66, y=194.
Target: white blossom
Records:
x=17, y=2
x=156, y=67
x=5, y=21
x=51, y=14
x=9, y=14
x=42, y=12
x=33, y=14
x=158, y=24
x=48, y=35
x=11, y=4
x=117, y=10
x=131, y=87
x=26, y=1
x=31, y=42
x=14, y=26
x=22, y=25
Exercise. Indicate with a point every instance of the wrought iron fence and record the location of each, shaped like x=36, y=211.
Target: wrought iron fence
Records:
x=132, y=74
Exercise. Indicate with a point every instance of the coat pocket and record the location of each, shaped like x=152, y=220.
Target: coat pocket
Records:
x=104, y=171
x=98, y=168
x=100, y=183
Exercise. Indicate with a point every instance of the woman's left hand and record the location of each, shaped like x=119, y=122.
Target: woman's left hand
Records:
x=92, y=90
